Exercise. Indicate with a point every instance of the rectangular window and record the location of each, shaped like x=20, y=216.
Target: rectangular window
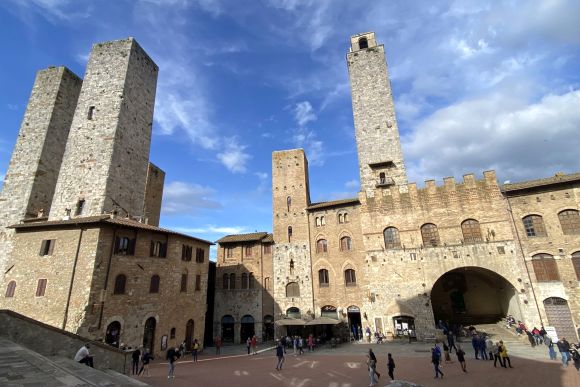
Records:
x=91, y=113
x=199, y=255
x=248, y=251
x=41, y=287
x=501, y=249
x=80, y=207
x=184, y=283
x=546, y=270
x=124, y=245
x=267, y=283
x=158, y=249
x=229, y=252
x=197, y=282
x=186, y=253
x=267, y=249
x=46, y=247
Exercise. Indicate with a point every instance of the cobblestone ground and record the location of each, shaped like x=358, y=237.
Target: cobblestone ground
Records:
x=345, y=367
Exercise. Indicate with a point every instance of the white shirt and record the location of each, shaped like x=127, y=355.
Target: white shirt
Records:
x=82, y=353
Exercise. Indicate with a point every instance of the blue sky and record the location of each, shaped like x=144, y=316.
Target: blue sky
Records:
x=477, y=84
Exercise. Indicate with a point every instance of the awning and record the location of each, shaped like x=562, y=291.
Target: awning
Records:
x=290, y=321
x=323, y=321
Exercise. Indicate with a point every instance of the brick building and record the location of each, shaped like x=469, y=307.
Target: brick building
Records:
x=80, y=243
x=398, y=258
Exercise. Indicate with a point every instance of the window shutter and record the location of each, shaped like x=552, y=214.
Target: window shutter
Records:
x=42, y=247
x=551, y=270
x=131, y=247
x=51, y=244
x=152, y=249
x=163, y=250
x=198, y=282
x=539, y=270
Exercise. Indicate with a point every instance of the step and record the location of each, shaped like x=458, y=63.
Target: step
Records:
x=95, y=377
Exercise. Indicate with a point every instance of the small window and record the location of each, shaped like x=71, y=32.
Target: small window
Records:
x=289, y=234
x=158, y=249
x=268, y=249
x=229, y=252
x=80, y=207
x=321, y=246
x=288, y=202
x=226, y=281
x=323, y=281
x=363, y=43
x=570, y=222
x=501, y=250
x=197, y=282
x=91, y=113
x=154, y=285
x=251, y=281
x=248, y=251
x=293, y=290
x=41, y=287
x=124, y=245
x=391, y=236
x=382, y=178
x=317, y=221
x=534, y=226
x=349, y=277
x=183, y=288
x=545, y=268
x=430, y=235
x=322, y=221
x=291, y=265
x=575, y=263
x=244, y=281
x=232, y=281
x=172, y=333
x=471, y=231
x=199, y=255
x=10, y=289
x=345, y=243
x=186, y=253
x=340, y=218
x=345, y=218
x=120, y=282
x=267, y=283
x=47, y=247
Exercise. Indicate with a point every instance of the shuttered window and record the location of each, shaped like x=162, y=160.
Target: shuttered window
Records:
x=471, y=231
x=198, y=282
x=350, y=277
x=41, y=287
x=576, y=263
x=10, y=289
x=154, y=285
x=183, y=288
x=199, y=255
x=570, y=222
x=323, y=278
x=120, y=282
x=46, y=247
x=545, y=268
x=321, y=246
x=534, y=226
x=430, y=235
x=292, y=290
x=345, y=243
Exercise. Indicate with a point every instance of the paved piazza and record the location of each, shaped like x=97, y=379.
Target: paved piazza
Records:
x=345, y=367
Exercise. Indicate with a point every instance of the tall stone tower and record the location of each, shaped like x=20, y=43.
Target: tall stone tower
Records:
x=291, y=259
x=377, y=135
x=106, y=158
x=33, y=170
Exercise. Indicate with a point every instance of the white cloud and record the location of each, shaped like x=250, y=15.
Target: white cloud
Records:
x=352, y=184
x=212, y=229
x=304, y=113
x=307, y=139
x=184, y=198
x=233, y=156
x=53, y=10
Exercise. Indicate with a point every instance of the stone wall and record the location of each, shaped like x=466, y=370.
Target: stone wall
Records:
x=153, y=194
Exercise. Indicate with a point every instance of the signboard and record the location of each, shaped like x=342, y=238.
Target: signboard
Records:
x=552, y=333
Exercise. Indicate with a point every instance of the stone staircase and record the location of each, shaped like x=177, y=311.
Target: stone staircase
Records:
x=517, y=346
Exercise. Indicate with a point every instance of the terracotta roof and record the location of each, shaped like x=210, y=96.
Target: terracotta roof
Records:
x=255, y=236
x=268, y=239
x=557, y=179
x=333, y=203
x=126, y=222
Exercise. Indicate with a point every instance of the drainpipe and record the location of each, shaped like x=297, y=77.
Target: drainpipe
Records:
x=72, y=278
x=107, y=277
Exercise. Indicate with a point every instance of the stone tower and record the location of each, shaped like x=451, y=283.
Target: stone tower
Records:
x=377, y=136
x=33, y=170
x=106, y=158
x=291, y=259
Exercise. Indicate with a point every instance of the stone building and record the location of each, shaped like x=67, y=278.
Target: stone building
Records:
x=398, y=258
x=80, y=243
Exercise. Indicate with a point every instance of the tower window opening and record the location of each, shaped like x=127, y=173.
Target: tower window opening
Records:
x=80, y=207
x=91, y=113
x=289, y=234
x=382, y=178
x=288, y=202
x=363, y=43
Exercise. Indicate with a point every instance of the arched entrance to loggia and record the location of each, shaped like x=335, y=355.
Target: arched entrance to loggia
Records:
x=473, y=295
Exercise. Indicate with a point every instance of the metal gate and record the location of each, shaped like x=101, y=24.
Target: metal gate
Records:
x=559, y=317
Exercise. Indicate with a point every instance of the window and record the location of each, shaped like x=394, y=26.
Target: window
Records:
x=199, y=255
x=471, y=231
x=430, y=235
x=391, y=236
x=268, y=249
x=251, y=281
x=570, y=222
x=267, y=283
x=293, y=290
x=232, y=281
x=575, y=263
x=317, y=221
x=158, y=249
x=172, y=333
x=226, y=281
x=345, y=243
x=41, y=287
x=47, y=246
x=10, y=289
x=291, y=265
x=289, y=234
x=244, y=281
x=382, y=178
x=120, y=282
x=80, y=207
x=183, y=288
x=340, y=218
x=534, y=226
x=363, y=43
x=323, y=278
x=154, y=285
x=322, y=221
x=124, y=245
x=501, y=249
x=186, y=252
x=91, y=113
x=545, y=268
x=345, y=218
x=321, y=246
x=349, y=277
x=288, y=202
x=197, y=282
x=229, y=252
x=248, y=251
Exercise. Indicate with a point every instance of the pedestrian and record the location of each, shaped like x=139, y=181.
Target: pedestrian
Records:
x=83, y=356
x=218, y=345
x=574, y=353
x=496, y=356
x=355, y=332
x=146, y=358
x=391, y=366
x=194, y=350
x=254, y=345
x=172, y=358
x=295, y=344
x=368, y=334
x=537, y=336
x=279, y=355
x=451, y=341
x=564, y=348
x=283, y=343
x=136, y=357
x=310, y=343
x=446, y=352
x=550, y=344
x=475, y=345
x=503, y=352
x=461, y=359
x=482, y=347
x=248, y=344
x=436, y=360
x=360, y=333
x=372, y=367
x=531, y=338
x=489, y=347
x=300, y=345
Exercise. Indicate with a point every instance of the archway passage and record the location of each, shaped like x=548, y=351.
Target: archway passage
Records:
x=473, y=295
x=246, y=328
x=149, y=334
x=268, y=328
x=189, y=335
x=559, y=317
x=354, y=322
x=113, y=334
x=228, y=323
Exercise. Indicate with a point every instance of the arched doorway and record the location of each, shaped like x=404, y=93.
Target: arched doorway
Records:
x=228, y=329
x=189, y=335
x=268, y=328
x=113, y=334
x=354, y=322
x=149, y=334
x=559, y=317
x=473, y=295
x=246, y=328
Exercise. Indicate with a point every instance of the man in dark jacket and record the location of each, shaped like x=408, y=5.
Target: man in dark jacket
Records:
x=564, y=348
x=172, y=357
x=135, y=357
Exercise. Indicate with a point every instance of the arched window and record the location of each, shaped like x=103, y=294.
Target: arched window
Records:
x=391, y=235
x=576, y=263
x=317, y=221
x=534, y=226
x=345, y=243
x=288, y=202
x=244, y=281
x=172, y=333
x=363, y=43
x=267, y=283
x=293, y=312
x=154, y=285
x=120, y=282
x=251, y=281
x=323, y=278
x=430, y=235
x=291, y=266
x=292, y=289
x=10, y=289
x=226, y=281
x=340, y=218
x=345, y=218
x=349, y=277
x=329, y=311
x=232, y=281
x=289, y=234
x=570, y=222
x=322, y=221
x=471, y=231
x=545, y=268
x=321, y=246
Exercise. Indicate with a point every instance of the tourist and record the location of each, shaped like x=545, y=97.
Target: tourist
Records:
x=391, y=366
x=368, y=334
x=310, y=343
x=489, y=347
x=254, y=345
x=172, y=358
x=482, y=347
x=372, y=367
x=355, y=332
x=446, y=352
x=550, y=344
x=218, y=344
x=146, y=358
x=300, y=345
x=451, y=341
x=537, y=336
x=194, y=350
x=249, y=344
x=136, y=357
x=295, y=344
x=496, y=356
x=503, y=352
x=83, y=356
x=475, y=345
x=436, y=360
x=575, y=354
x=279, y=355
x=283, y=343
x=564, y=348
x=531, y=338
x=461, y=359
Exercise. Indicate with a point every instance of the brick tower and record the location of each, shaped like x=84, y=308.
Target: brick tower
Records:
x=377, y=135
x=292, y=262
x=106, y=158
x=33, y=170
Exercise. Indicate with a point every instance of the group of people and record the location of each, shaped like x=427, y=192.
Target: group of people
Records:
x=372, y=367
x=252, y=345
x=142, y=359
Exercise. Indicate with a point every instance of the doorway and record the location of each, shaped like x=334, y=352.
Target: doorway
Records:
x=354, y=322
x=246, y=328
x=113, y=334
x=149, y=334
x=189, y=335
x=559, y=317
x=228, y=329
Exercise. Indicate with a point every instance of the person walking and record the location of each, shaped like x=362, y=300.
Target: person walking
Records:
x=146, y=359
x=310, y=343
x=300, y=345
x=436, y=360
x=575, y=354
x=136, y=357
x=461, y=359
x=249, y=344
x=446, y=352
x=564, y=348
x=550, y=344
x=372, y=367
x=451, y=341
x=254, y=345
x=194, y=350
x=279, y=355
x=489, y=347
x=172, y=358
x=391, y=366
x=496, y=356
x=218, y=345
x=482, y=347
x=475, y=345
x=503, y=352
